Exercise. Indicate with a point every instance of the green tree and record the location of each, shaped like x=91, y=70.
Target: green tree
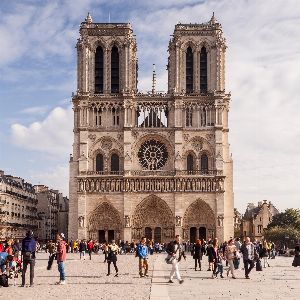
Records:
x=289, y=219
x=282, y=235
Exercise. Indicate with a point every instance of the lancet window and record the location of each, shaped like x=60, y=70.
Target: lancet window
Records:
x=189, y=117
x=204, y=163
x=115, y=70
x=203, y=70
x=99, y=70
x=189, y=70
x=114, y=163
x=99, y=162
x=190, y=163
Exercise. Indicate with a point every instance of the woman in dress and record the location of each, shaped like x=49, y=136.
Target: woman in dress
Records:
x=230, y=253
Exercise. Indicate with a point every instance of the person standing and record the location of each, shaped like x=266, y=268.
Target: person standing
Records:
x=175, y=253
x=28, y=256
x=82, y=249
x=230, y=253
x=61, y=256
x=90, y=248
x=142, y=253
x=197, y=254
x=249, y=254
x=264, y=254
x=112, y=257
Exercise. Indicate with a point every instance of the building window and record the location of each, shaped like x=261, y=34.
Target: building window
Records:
x=114, y=163
x=203, y=70
x=189, y=70
x=99, y=162
x=116, y=117
x=259, y=229
x=189, y=117
x=114, y=70
x=190, y=163
x=204, y=163
x=99, y=70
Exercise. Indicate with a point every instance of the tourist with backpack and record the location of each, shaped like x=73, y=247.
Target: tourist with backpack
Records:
x=28, y=256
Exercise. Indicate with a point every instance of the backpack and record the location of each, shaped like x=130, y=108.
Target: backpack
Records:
x=258, y=265
x=4, y=280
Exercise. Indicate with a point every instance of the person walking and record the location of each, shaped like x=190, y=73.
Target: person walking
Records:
x=197, y=254
x=113, y=250
x=230, y=253
x=82, y=249
x=249, y=254
x=264, y=254
x=90, y=248
x=28, y=257
x=237, y=259
x=175, y=253
x=61, y=256
x=210, y=255
x=142, y=253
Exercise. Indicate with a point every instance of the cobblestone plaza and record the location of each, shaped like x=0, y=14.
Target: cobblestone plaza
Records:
x=87, y=280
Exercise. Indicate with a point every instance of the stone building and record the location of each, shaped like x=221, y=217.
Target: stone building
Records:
x=18, y=207
x=53, y=209
x=237, y=223
x=154, y=164
x=48, y=207
x=257, y=218
x=63, y=215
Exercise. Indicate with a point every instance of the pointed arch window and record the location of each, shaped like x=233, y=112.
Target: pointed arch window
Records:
x=190, y=163
x=115, y=70
x=203, y=70
x=204, y=163
x=189, y=70
x=114, y=163
x=99, y=162
x=99, y=70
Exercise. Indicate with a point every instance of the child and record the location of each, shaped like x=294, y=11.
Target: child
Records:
x=220, y=266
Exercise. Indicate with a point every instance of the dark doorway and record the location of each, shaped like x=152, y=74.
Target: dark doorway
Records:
x=148, y=233
x=111, y=235
x=193, y=234
x=101, y=236
x=202, y=233
x=157, y=235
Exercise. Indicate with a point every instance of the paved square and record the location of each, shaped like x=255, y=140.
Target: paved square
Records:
x=87, y=278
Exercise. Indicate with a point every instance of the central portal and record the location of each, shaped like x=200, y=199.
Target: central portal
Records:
x=153, y=219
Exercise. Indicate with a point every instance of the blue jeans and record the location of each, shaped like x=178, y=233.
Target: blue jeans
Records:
x=61, y=269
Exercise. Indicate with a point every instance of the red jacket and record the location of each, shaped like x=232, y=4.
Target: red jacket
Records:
x=90, y=245
x=61, y=251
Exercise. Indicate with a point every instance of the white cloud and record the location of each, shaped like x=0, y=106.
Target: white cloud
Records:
x=262, y=72
x=56, y=177
x=35, y=110
x=52, y=135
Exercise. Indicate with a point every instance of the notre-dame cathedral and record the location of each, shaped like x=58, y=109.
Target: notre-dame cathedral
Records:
x=153, y=164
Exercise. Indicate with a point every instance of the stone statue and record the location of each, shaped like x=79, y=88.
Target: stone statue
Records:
x=127, y=221
x=81, y=221
x=178, y=221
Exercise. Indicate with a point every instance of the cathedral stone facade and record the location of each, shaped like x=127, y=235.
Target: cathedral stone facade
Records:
x=153, y=164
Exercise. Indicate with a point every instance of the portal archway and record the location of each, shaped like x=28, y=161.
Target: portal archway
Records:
x=199, y=221
x=155, y=214
x=104, y=223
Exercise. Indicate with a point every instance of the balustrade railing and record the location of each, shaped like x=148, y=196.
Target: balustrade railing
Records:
x=155, y=173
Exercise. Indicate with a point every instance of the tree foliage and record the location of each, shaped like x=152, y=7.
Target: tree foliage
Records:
x=282, y=235
x=288, y=219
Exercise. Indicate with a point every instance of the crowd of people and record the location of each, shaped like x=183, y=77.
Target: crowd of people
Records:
x=16, y=256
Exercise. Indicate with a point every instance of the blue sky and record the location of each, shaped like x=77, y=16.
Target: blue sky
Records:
x=38, y=69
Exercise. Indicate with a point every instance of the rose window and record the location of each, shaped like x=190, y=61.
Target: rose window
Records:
x=153, y=155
